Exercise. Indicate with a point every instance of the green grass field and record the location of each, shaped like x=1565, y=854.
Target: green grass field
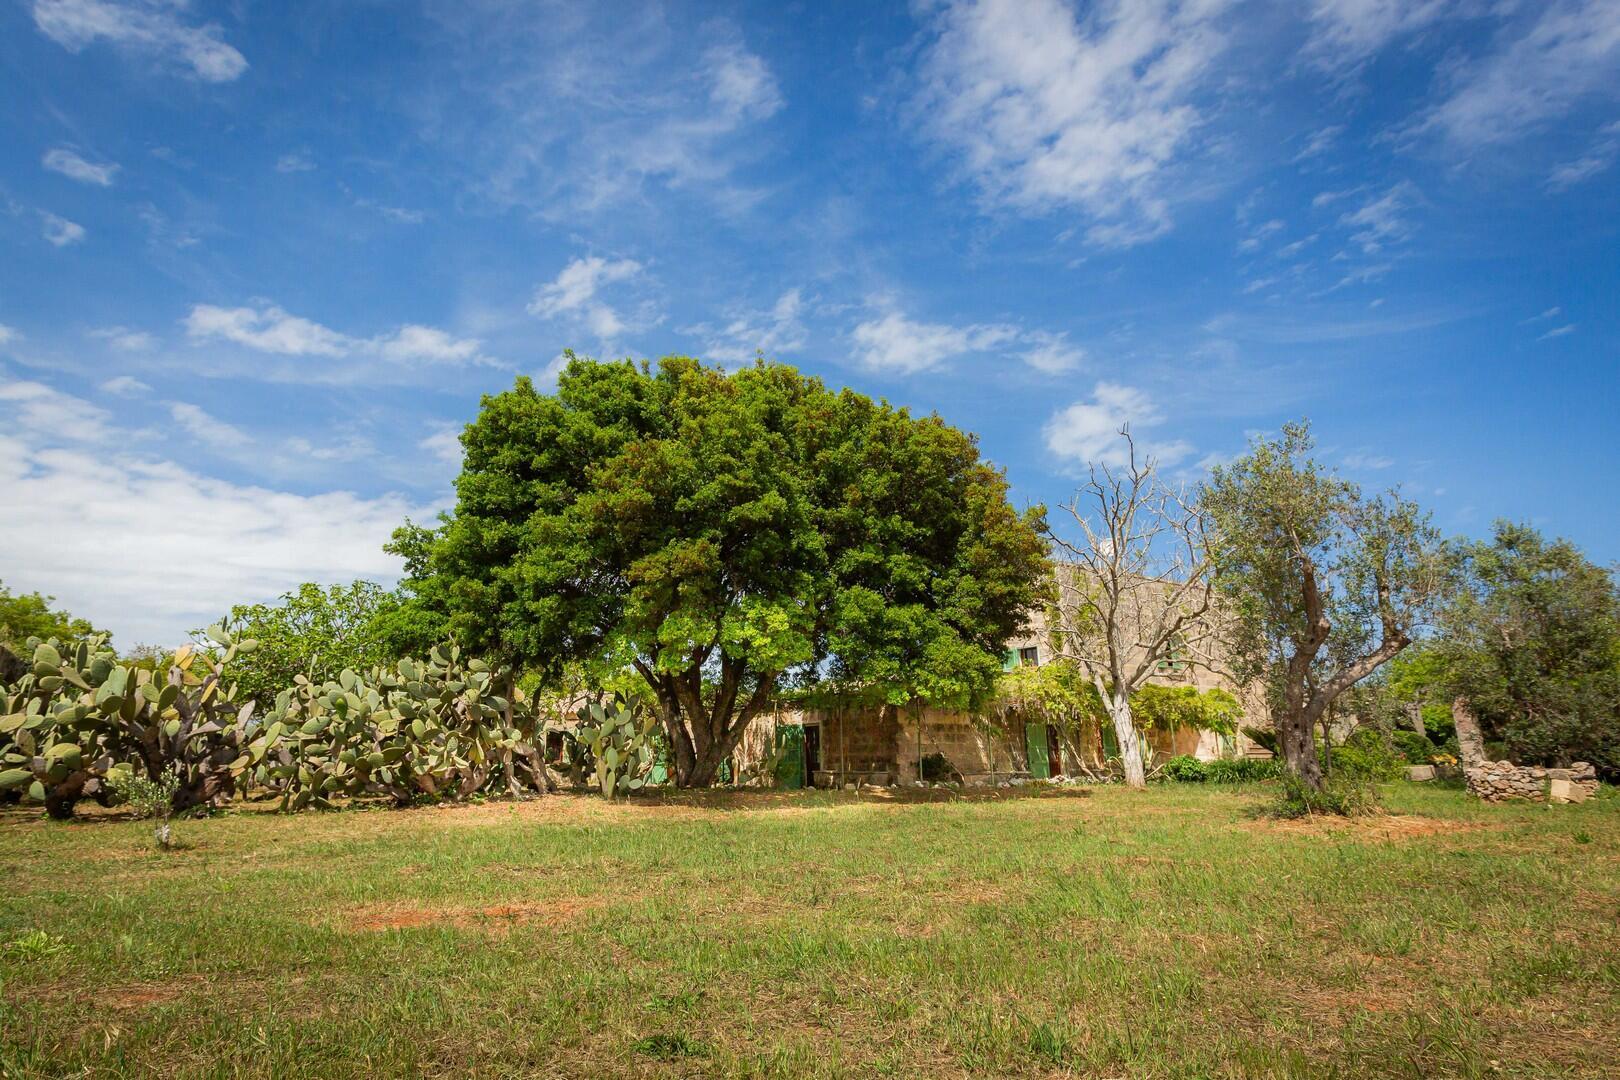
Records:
x=1170, y=933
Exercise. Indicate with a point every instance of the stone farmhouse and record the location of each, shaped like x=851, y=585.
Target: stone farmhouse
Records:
x=881, y=745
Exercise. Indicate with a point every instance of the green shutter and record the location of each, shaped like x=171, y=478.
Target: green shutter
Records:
x=1040, y=764
x=790, y=770
x=1110, y=741
x=1010, y=661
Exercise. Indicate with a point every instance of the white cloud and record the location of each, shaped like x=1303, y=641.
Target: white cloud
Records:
x=1360, y=460
x=1557, y=332
x=350, y=448
x=1535, y=74
x=37, y=409
x=775, y=333
x=1551, y=313
x=1087, y=432
x=743, y=87
x=1319, y=142
x=1382, y=221
x=893, y=343
x=8, y=334
x=415, y=342
x=591, y=105
x=1598, y=158
x=271, y=329
x=1259, y=234
x=1053, y=353
x=268, y=329
x=294, y=162
x=1051, y=112
x=574, y=293
x=59, y=230
x=71, y=165
x=444, y=444
x=206, y=428
x=1345, y=33
x=124, y=386
x=152, y=549
x=125, y=339
x=149, y=26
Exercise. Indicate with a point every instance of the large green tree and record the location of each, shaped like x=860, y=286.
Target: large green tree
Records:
x=724, y=535
x=1324, y=583
x=312, y=631
x=26, y=615
x=1532, y=640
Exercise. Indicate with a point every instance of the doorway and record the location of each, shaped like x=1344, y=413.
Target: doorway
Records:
x=812, y=753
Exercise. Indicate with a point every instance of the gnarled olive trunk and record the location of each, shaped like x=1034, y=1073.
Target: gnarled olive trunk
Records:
x=703, y=733
x=1130, y=743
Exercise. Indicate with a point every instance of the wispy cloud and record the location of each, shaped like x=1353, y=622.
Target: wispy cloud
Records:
x=574, y=292
x=295, y=161
x=1535, y=72
x=586, y=109
x=124, y=339
x=124, y=386
x=1382, y=220
x=151, y=27
x=1087, y=432
x=207, y=428
x=71, y=165
x=1048, y=111
x=1599, y=156
x=1345, y=33
x=894, y=344
x=1558, y=332
x=59, y=231
x=777, y=332
x=267, y=328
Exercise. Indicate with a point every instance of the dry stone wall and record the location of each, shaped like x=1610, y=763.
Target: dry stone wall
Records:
x=1501, y=781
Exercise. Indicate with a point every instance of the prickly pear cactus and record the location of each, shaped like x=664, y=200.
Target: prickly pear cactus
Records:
x=78, y=714
x=620, y=743
x=442, y=728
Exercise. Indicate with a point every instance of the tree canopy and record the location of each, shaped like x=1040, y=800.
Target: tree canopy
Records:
x=1325, y=584
x=312, y=631
x=1532, y=640
x=26, y=615
x=726, y=534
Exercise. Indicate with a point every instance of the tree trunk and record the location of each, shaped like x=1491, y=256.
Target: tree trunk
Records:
x=1295, y=738
x=1470, y=740
x=1414, y=717
x=1130, y=746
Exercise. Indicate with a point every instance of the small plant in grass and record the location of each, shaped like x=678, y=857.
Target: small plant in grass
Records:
x=1342, y=794
x=149, y=798
x=1241, y=770
x=669, y=1047
x=32, y=946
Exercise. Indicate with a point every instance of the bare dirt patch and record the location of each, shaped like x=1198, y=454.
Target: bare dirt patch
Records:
x=376, y=918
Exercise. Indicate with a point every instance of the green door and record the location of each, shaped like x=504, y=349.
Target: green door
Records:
x=1040, y=762
x=790, y=770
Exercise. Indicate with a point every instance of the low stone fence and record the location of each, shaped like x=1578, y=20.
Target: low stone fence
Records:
x=1499, y=781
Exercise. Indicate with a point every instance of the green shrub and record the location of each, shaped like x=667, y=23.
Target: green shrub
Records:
x=1185, y=769
x=1241, y=770
x=1366, y=756
x=1342, y=794
x=1413, y=748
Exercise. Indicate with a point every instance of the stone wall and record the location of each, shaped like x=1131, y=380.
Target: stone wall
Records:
x=1501, y=781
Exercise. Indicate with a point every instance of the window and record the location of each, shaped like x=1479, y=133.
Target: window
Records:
x=1029, y=657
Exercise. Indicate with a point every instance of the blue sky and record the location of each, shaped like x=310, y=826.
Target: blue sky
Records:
x=262, y=259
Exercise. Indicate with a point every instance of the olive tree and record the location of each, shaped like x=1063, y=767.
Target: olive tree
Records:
x=1323, y=583
x=1134, y=592
x=723, y=535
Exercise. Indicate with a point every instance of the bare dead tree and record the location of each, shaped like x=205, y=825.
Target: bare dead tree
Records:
x=1137, y=593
